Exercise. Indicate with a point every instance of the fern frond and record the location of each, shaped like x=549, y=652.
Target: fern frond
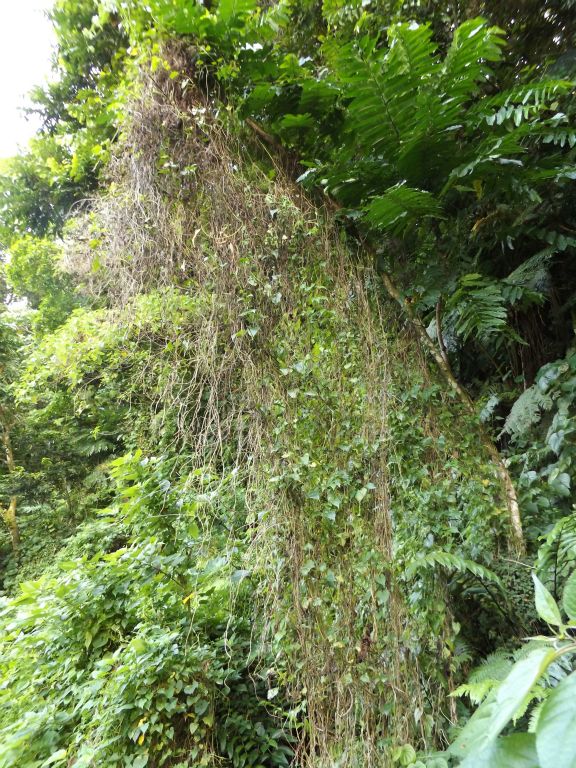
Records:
x=557, y=554
x=485, y=677
x=537, y=693
x=492, y=155
x=489, y=407
x=370, y=119
x=533, y=273
x=526, y=412
x=412, y=52
x=478, y=308
x=535, y=714
x=451, y=562
x=495, y=667
x=476, y=692
x=463, y=652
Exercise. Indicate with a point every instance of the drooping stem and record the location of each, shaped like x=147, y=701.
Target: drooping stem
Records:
x=439, y=332
x=517, y=536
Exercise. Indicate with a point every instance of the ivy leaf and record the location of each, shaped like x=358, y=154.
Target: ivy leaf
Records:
x=546, y=606
x=518, y=750
x=569, y=597
x=499, y=708
x=555, y=740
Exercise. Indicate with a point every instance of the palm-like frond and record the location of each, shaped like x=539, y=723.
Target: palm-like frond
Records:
x=405, y=93
x=467, y=62
x=412, y=112
x=517, y=104
x=392, y=210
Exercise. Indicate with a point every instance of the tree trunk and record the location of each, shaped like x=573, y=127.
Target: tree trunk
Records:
x=8, y=513
x=9, y=516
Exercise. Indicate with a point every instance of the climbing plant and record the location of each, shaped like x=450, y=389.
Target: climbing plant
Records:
x=286, y=338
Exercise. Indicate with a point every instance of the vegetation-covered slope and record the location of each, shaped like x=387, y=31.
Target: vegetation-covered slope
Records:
x=288, y=417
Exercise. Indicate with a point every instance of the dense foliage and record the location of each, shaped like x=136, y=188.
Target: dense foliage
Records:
x=289, y=389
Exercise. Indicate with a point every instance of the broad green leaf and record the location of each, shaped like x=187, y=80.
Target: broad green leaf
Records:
x=545, y=604
x=228, y=10
x=569, y=597
x=404, y=755
x=556, y=730
x=499, y=708
x=139, y=645
x=560, y=483
x=517, y=750
x=239, y=576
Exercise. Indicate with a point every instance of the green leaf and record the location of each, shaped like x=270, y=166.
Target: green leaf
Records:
x=499, y=708
x=452, y=562
x=239, y=576
x=545, y=604
x=228, y=10
x=404, y=755
x=560, y=484
x=556, y=730
x=569, y=597
x=399, y=206
x=139, y=645
x=55, y=757
x=518, y=750
x=436, y=762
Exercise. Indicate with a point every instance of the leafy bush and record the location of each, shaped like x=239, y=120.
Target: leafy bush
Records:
x=542, y=679
x=142, y=655
x=541, y=428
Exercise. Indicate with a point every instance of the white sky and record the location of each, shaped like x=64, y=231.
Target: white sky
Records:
x=26, y=41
